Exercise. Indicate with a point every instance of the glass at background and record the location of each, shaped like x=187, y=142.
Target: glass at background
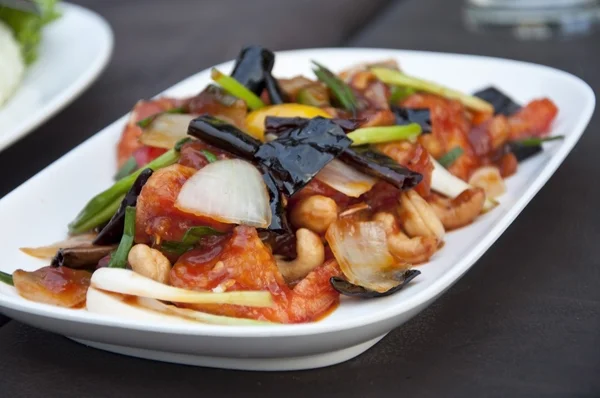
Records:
x=533, y=19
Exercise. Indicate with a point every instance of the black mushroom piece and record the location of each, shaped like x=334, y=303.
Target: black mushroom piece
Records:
x=81, y=257
x=278, y=125
x=253, y=70
x=503, y=104
x=346, y=288
x=296, y=156
x=223, y=135
x=111, y=233
x=405, y=116
x=381, y=166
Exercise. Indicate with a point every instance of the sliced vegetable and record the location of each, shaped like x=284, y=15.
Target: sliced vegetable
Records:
x=251, y=67
x=119, y=259
x=210, y=157
x=237, y=89
x=111, y=233
x=450, y=156
x=346, y=179
x=166, y=130
x=276, y=95
x=501, y=102
x=47, y=252
x=223, y=135
x=444, y=182
x=152, y=310
x=6, y=278
x=296, y=156
x=102, y=206
x=230, y=191
x=348, y=289
x=489, y=179
x=398, y=78
x=124, y=281
x=128, y=167
x=378, y=165
x=399, y=93
x=376, y=135
x=342, y=92
x=528, y=147
x=255, y=121
x=408, y=115
x=313, y=95
x=81, y=257
x=189, y=240
x=536, y=141
x=150, y=119
x=361, y=250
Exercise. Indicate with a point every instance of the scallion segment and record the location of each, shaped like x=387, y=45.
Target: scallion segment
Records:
x=96, y=210
x=147, y=121
x=119, y=258
x=6, y=278
x=128, y=167
x=375, y=135
x=340, y=90
x=535, y=141
x=191, y=237
x=450, y=157
x=237, y=89
x=398, y=93
x=211, y=157
x=397, y=78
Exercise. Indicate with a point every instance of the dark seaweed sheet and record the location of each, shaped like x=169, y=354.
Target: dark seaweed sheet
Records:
x=503, y=104
x=406, y=116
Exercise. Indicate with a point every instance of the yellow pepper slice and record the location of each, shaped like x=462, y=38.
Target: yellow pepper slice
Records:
x=255, y=121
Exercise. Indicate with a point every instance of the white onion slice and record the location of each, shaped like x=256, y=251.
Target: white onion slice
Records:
x=124, y=281
x=230, y=191
x=49, y=251
x=166, y=130
x=446, y=183
x=346, y=179
x=361, y=250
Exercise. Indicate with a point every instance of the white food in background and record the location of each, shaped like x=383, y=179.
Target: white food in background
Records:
x=12, y=66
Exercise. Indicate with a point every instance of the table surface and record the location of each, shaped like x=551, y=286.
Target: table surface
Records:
x=525, y=321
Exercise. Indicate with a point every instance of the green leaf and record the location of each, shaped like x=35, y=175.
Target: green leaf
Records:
x=237, y=89
x=342, y=92
x=147, y=121
x=211, y=157
x=189, y=240
x=450, y=157
x=128, y=167
x=535, y=141
x=119, y=257
x=6, y=278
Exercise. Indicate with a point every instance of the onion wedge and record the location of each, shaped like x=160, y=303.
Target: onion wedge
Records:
x=166, y=130
x=346, y=179
x=361, y=250
x=230, y=191
x=124, y=281
x=146, y=309
x=446, y=183
x=49, y=251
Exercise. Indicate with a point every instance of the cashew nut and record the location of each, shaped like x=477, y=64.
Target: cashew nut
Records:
x=150, y=263
x=460, y=211
x=310, y=255
x=410, y=250
x=316, y=213
x=418, y=218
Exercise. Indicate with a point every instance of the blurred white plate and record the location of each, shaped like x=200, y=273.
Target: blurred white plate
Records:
x=37, y=213
x=74, y=50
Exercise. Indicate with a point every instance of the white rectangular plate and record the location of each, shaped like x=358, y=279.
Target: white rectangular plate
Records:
x=68, y=63
x=37, y=213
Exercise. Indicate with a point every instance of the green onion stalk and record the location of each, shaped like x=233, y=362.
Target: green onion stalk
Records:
x=237, y=89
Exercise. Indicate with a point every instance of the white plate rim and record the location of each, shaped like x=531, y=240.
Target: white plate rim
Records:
x=77, y=86
x=411, y=303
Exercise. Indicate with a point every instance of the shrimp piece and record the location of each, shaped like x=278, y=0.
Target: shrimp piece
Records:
x=245, y=263
x=414, y=157
x=416, y=250
x=460, y=211
x=156, y=217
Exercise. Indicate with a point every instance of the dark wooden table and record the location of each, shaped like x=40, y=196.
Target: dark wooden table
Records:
x=524, y=322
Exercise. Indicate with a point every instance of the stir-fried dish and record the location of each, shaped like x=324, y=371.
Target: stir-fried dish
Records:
x=264, y=199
